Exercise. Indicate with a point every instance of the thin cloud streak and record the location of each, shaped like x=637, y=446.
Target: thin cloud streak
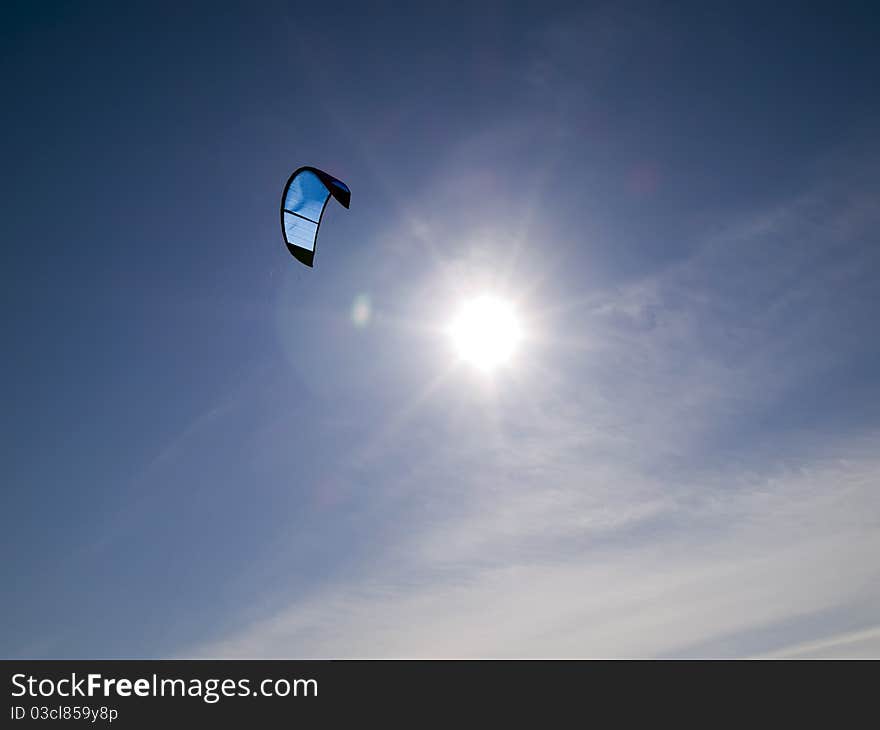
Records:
x=649, y=599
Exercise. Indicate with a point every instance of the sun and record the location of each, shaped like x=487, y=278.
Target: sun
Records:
x=486, y=332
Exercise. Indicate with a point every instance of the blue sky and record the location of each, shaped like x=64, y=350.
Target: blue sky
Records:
x=205, y=455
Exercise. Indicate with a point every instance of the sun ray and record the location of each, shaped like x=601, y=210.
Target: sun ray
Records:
x=401, y=417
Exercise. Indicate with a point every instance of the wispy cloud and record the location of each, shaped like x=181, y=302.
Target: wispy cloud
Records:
x=771, y=559
x=852, y=645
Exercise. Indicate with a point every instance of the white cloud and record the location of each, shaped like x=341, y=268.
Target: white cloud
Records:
x=792, y=546
x=853, y=645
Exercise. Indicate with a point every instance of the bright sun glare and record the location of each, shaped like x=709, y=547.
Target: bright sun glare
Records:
x=485, y=332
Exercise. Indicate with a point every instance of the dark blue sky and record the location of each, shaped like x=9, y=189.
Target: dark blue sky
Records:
x=204, y=454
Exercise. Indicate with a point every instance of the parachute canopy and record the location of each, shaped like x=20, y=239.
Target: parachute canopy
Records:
x=302, y=206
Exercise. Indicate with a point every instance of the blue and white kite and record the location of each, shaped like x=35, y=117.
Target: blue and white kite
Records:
x=302, y=206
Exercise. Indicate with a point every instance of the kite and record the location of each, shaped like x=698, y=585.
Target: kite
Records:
x=302, y=206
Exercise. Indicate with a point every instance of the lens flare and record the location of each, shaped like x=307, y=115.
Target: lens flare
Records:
x=361, y=310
